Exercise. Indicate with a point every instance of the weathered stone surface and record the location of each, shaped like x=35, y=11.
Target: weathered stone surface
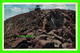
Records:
x=52, y=28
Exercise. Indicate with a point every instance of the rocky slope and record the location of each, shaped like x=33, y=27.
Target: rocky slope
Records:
x=52, y=28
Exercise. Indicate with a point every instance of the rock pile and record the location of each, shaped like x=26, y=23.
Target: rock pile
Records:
x=52, y=28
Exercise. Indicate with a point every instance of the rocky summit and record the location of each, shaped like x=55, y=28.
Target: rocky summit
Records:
x=52, y=28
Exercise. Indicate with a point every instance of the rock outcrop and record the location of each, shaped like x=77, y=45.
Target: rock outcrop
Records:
x=52, y=28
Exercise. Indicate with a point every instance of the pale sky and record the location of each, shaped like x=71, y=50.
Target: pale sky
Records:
x=11, y=10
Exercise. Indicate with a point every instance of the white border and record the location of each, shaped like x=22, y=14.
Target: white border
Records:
x=41, y=49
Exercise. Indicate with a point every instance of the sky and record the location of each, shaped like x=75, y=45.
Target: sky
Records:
x=11, y=10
